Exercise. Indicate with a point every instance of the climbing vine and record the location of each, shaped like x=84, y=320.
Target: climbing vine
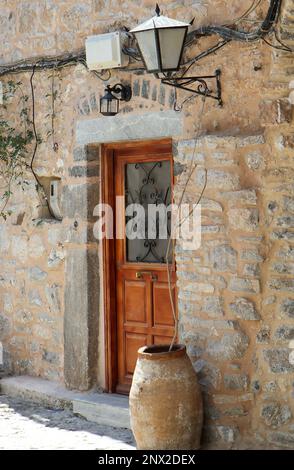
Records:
x=19, y=140
x=16, y=136
x=52, y=115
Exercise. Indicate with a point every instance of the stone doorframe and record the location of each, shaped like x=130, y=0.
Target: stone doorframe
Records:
x=84, y=339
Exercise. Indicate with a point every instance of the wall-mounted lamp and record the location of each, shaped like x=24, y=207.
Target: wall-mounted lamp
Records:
x=161, y=42
x=109, y=103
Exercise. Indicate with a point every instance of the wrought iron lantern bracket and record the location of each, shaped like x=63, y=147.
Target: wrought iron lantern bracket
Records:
x=202, y=88
x=124, y=91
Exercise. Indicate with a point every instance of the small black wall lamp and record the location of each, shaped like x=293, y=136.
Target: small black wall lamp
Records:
x=109, y=103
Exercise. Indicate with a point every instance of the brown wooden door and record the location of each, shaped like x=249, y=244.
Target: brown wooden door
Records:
x=142, y=174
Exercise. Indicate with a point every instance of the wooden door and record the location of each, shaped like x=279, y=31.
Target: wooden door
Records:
x=143, y=174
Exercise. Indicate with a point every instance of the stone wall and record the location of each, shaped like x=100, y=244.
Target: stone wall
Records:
x=236, y=294
x=236, y=301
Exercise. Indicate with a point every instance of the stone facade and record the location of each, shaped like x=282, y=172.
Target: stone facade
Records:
x=236, y=293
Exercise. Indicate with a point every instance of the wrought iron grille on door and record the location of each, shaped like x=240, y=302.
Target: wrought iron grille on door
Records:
x=147, y=184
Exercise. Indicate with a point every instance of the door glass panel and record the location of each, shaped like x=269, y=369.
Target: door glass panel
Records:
x=148, y=185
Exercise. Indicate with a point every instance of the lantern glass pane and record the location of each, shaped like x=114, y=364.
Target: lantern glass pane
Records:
x=103, y=106
x=148, y=47
x=109, y=107
x=171, y=44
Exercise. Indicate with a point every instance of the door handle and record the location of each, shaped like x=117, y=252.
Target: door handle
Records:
x=140, y=274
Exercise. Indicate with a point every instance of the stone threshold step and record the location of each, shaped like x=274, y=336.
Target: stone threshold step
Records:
x=107, y=409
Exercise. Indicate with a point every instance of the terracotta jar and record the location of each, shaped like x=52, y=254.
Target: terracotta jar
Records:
x=165, y=400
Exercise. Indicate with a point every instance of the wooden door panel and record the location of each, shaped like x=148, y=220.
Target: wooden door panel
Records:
x=135, y=302
x=162, y=340
x=133, y=341
x=162, y=310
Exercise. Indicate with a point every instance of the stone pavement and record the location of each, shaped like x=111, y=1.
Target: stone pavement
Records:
x=24, y=426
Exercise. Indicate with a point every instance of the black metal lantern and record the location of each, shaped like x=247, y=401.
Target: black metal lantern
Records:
x=161, y=42
x=109, y=103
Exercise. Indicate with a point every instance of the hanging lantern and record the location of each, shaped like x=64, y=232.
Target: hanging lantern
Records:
x=161, y=42
x=109, y=103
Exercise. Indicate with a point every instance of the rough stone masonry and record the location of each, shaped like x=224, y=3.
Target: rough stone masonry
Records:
x=236, y=293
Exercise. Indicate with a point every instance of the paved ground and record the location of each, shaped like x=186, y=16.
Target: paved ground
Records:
x=24, y=425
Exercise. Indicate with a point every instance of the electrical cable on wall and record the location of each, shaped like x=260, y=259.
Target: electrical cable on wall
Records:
x=227, y=33
x=232, y=34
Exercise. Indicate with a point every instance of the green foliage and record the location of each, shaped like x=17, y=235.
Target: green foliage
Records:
x=16, y=136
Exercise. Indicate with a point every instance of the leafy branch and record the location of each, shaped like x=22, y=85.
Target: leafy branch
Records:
x=16, y=136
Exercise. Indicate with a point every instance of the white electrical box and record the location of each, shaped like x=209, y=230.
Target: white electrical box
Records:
x=105, y=51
